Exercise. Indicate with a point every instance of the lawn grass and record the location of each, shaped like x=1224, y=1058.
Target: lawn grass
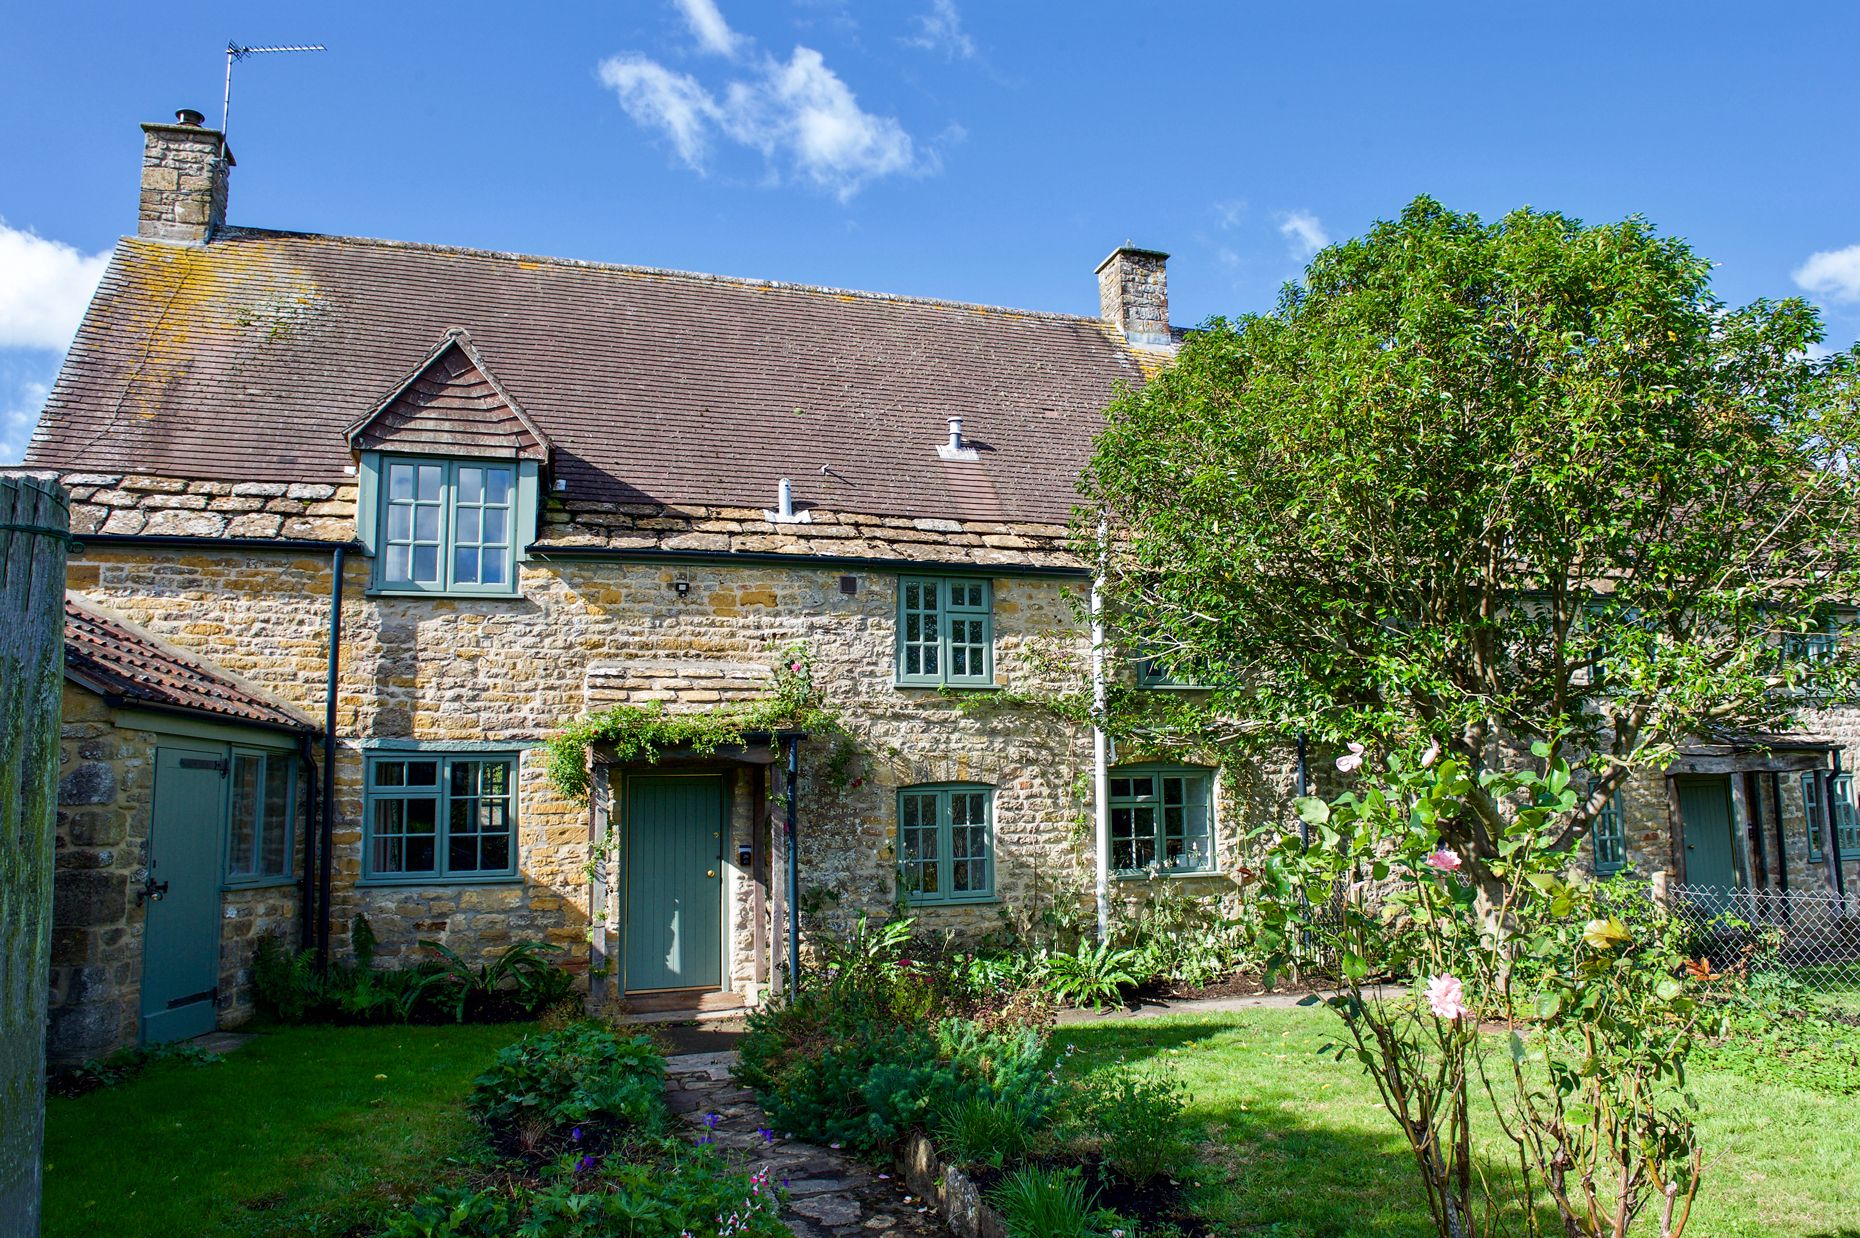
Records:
x=1300, y=1145
x=294, y=1133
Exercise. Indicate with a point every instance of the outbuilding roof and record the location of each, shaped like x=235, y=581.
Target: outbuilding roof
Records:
x=251, y=357
x=128, y=666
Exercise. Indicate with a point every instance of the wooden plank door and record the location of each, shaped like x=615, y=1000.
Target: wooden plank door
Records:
x=181, y=935
x=1705, y=819
x=674, y=883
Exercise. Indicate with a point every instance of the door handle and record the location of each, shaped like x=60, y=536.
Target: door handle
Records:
x=710, y=872
x=151, y=891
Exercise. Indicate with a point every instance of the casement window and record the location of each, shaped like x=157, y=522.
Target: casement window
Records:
x=1153, y=672
x=1846, y=819
x=946, y=849
x=440, y=816
x=260, y=828
x=1162, y=820
x=447, y=526
x=945, y=632
x=1608, y=834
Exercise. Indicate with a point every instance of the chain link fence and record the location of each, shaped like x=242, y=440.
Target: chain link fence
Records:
x=1809, y=939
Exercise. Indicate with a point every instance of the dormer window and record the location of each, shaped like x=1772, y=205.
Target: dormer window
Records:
x=450, y=470
x=446, y=526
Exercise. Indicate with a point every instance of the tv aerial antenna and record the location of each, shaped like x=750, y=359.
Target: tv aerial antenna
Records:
x=236, y=52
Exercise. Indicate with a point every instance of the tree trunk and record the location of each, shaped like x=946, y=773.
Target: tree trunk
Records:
x=34, y=523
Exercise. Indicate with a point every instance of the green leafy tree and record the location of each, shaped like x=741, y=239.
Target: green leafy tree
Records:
x=1474, y=483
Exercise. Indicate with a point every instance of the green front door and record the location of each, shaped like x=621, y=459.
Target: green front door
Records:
x=674, y=883
x=1706, y=830
x=181, y=936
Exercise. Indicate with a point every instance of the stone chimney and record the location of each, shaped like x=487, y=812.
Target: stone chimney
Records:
x=184, y=167
x=1133, y=295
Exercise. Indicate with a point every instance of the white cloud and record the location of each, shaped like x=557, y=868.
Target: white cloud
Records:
x=1832, y=273
x=940, y=30
x=798, y=114
x=25, y=381
x=707, y=25
x=657, y=98
x=44, y=287
x=1229, y=212
x=1303, y=231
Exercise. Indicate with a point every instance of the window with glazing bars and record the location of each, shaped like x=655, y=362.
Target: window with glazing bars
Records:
x=259, y=834
x=945, y=631
x=1161, y=820
x=447, y=526
x=946, y=843
x=1609, y=834
x=1846, y=819
x=448, y=817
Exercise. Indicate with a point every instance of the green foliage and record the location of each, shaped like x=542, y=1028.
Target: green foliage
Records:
x=1379, y=512
x=1132, y=1117
x=689, y=1193
x=1046, y=1203
x=124, y=1065
x=641, y=733
x=521, y=976
x=520, y=984
x=1183, y=939
x=1600, y=1019
x=582, y=1075
x=1094, y=976
x=983, y=1131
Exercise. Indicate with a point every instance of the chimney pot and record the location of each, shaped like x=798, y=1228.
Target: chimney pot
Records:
x=184, y=172
x=955, y=434
x=1133, y=295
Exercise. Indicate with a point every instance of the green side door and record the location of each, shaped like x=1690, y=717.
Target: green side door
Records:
x=674, y=883
x=181, y=935
x=1706, y=828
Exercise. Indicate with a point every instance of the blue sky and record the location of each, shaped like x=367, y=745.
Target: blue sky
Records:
x=986, y=152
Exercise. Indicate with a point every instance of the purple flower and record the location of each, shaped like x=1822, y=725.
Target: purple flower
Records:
x=575, y=1134
x=767, y=1133
x=711, y=1120
x=583, y=1165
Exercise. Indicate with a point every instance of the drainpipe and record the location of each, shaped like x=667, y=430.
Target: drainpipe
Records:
x=794, y=871
x=327, y=824
x=1100, y=745
x=1303, y=784
x=306, y=885
x=1831, y=844
x=1782, y=845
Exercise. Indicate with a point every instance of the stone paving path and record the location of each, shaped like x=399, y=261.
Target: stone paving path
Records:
x=830, y=1195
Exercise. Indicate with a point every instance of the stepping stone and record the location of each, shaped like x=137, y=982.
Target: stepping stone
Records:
x=833, y=1210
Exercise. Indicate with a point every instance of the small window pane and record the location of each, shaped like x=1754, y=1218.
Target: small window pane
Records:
x=468, y=524
x=494, y=526
x=426, y=564
x=465, y=565
x=471, y=486
x=390, y=773
x=248, y=773
x=400, y=481
x=275, y=840
x=422, y=773
x=497, y=485
x=430, y=478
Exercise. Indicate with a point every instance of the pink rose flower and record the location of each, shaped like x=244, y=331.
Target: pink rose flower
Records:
x=1351, y=760
x=1446, y=998
x=1444, y=861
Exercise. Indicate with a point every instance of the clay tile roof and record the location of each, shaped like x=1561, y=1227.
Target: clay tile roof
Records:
x=251, y=357
x=451, y=404
x=128, y=666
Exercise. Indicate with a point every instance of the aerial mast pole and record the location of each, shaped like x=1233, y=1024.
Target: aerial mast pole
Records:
x=235, y=51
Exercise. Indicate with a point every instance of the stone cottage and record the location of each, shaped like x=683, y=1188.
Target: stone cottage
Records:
x=366, y=522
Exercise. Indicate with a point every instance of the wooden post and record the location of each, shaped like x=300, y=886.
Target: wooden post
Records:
x=35, y=524
x=600, y=965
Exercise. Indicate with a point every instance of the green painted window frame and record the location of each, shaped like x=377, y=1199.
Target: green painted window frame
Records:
x=941, y=801
x=1846, y=817
x=373, y=522
x=272, y=766
x=1608, y=838
x=1156, y=802
x=953, y=600
x=441, y=794
x=1151, y=673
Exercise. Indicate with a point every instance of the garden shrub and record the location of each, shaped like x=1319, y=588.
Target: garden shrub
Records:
x=983, y=1131
x=682, y=1193
x=583, y=1076
x=124, y=1065
x=1047, y=1203
x=1133, y=1118
x=519, y=984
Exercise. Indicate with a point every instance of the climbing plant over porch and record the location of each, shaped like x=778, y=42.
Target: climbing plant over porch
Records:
x=642, y=733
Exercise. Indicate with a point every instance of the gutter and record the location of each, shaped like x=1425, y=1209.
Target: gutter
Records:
x=217, y=543
x=762, y=558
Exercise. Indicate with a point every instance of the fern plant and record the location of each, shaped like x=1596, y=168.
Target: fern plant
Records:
x=1095, y=976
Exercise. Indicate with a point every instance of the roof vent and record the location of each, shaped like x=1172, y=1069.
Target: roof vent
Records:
x=784, y=512
x=957, y=448
x=189, y=117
